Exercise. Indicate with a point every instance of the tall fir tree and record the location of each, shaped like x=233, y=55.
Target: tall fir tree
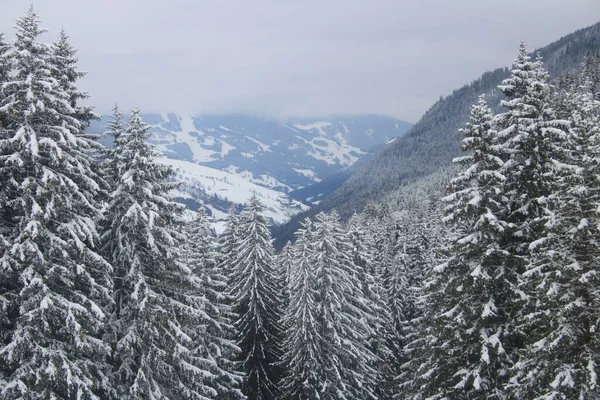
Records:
x=405, y=331
x=531, y=138
x=342, y=316
x=114, y=131
x=158, y=318
x=4, y=65
x=63, y=63
x=201, y=256
x=362, y=253
x=285, y=260
x=302, y=357
x=8, y=280
x=534, y=146
x=256, y=290
x=48, y=188
x=228, y=242
x=470, y=293
x=4, y=73
x=561, y=281
x=590, y=75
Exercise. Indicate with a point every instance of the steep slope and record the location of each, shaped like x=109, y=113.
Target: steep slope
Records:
x=317, y=192
x=434, y=140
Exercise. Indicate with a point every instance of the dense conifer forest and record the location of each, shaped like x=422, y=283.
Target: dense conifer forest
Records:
x=477, y=281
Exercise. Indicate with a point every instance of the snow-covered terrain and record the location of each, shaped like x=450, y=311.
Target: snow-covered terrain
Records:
x=201, y=183
x=283, y=155
x=231, y=156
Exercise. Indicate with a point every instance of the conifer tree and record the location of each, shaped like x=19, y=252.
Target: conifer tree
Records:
x=158, y=318
x=590, y=75
x=4, y=74
x=201, y=257
x=256, y=290
x=4, y=66
x=8, y=279
x=285, y=260
x=341, y=314
x=63, y=64
x=302, y=347
x=402, y=282
x=379, y=224
x=48, y=189
x=114, y=129
x=468, y=331
x=400, y=298
x=531, y=139
x=561, y=281
x=370, y=277
x=363, y=258
x=228, y=242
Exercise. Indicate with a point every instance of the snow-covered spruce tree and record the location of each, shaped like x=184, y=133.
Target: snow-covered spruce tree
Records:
x=418, y=237
x=48, y=190
x=380, y=227
x=374, y=300
x=302, y=357
x=562, y=283
x=157, y=324
x=4, y=65
x=63, y=64
x=285, y=260
x=228, y=242
x=362, y=255
x=535, y=149
x=402, y=328
x=342, y=316
x=590, y=74
x=201, y=256
x=531, y=139
x=4, y=69
x=469, y=296
x=255, y=288
x=8, y=280
x=114, y=130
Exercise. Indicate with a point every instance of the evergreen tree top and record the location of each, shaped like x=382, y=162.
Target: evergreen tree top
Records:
x=115, y=127
x=527, y=81
x=28, y=29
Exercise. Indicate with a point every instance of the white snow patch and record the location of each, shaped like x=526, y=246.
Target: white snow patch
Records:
x=318, y=126
x=226, y=129
x=263, y=146
x=226, y=148
x=279, y=207
x=309, y=173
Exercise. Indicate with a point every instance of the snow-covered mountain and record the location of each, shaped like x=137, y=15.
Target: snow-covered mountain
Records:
x=248, y=154
x=278, y=154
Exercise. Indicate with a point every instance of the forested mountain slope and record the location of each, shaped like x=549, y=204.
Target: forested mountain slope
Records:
x=434, y=140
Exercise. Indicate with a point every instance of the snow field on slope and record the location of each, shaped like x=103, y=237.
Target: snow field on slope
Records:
x=279, y=207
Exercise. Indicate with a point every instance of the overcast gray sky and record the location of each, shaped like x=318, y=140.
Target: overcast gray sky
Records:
x=295, y=57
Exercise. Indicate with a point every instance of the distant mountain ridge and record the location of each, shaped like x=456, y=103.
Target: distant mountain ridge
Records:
x=280, y=155
x=434, y=140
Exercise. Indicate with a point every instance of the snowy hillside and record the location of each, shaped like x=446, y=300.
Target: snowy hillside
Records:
x=218, y=190
x=224, y=159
